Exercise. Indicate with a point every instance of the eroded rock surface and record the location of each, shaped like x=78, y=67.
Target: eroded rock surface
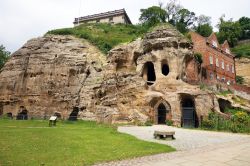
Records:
x=243, y=69
x=140, y=81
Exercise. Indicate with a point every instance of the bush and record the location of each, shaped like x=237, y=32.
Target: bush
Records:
x=198, y=57
x=169, y=122
x=239, y=80
x=148, y=123
x=207, y=124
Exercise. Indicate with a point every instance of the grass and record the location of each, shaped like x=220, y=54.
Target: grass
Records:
x=242, y=50
x=104, y=36
x=32, y=142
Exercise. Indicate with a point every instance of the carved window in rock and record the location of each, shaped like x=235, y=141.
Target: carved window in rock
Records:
x=149, y=73
x=164, y=68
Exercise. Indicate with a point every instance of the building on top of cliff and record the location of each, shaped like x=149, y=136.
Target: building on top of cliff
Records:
x=218, y=61
x=113, y=17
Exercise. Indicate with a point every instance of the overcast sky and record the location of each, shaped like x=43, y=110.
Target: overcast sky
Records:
x=21, y=20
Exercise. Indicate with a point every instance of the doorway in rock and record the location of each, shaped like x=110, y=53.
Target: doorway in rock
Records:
x=9, y=115
x=73, y=115
x=149, y=73
x=162, y=114
x=189, y=117
x=1, y=109
x=23, y=114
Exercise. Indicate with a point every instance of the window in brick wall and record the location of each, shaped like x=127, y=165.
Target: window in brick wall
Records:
x=232, y=69
x=217, y=62
x=214, y=43
x=223, y=79
x=222, y=65
x=218, y=77
x=227, y=51
x=211, y=76
x=211, y=59
x=228, y=69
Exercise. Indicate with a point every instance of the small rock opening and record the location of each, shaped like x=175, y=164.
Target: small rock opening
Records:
x=189, y=116
x=224, y=104
x=164, y=68
x=23, y=114
x=9, y=115
x=1, y=109
x=74, y=114
x=149, y=73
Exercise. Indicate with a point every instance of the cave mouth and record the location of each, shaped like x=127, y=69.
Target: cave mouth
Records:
x=162, y=114
x=164, y=68
x=149, y=73
x=9, y=115
x=224, y=104
x=74, y=114
x=189, y=116
x=23, y=115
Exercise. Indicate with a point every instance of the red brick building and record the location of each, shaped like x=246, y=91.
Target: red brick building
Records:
x=218, y=62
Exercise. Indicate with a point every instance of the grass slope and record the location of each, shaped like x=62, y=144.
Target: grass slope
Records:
x=242, y=50
x=104, y=36
x=70, y=143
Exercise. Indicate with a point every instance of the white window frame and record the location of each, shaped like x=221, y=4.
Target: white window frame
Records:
x=217, y=62
x=227, y=51
x=232, y=69
x=222, y=65
x=214, y=43
x=228, y=68
x=211, y=60
x=211, y=76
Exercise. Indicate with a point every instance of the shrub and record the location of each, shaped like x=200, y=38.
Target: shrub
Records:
x=239, y=80
x=198, y=57
x=169, y=122
x=207, y=124
x=148, y=123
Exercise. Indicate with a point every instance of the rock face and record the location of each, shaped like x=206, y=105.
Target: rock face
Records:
x=140, y=81
x=242, y=69
x=52, y=74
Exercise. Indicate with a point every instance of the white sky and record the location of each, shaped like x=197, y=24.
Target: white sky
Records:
x=21, y=20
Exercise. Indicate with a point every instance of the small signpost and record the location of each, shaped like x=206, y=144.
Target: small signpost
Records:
x=52, y=121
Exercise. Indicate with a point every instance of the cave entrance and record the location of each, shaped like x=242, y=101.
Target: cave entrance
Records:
x=189, y=117
x=74, y=114
x=9, y=115
x=149, y=73
x=23, y=114
x=224, y=104
x=162, y=114
x=1, y=109
x=164, y=68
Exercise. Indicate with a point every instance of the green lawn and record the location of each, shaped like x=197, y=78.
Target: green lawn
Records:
x=104, y=36
x=32, y=142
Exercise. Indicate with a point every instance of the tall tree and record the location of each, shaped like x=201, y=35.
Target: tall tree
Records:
x=3, y=56
x=245, y=26
x=185, y=20
x=229, y=30
x=172, y=9
x=204, y=27
x=152, y=15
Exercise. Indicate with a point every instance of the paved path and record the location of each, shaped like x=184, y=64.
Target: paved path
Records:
x=194, y=147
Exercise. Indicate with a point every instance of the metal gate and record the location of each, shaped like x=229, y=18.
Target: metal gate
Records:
x=162, y=112
x=188, y=117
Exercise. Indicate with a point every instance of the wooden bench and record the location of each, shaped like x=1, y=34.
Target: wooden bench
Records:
x=164, y=134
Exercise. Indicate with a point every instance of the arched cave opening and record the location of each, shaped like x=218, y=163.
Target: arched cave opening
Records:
x=9, y=115
x=74, y=114
x=149, y=73
x=162, y=114
x=189, y=116
x=164, y=68
x=23, y=114
x=224, y=104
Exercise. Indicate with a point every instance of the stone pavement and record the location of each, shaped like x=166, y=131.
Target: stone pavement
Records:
x=194, y=147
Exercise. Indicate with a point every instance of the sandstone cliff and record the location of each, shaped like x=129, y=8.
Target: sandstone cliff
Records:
x=140, y=81
x=242, y=66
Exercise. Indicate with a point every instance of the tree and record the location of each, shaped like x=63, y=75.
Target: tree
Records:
x=245, y=26
x=172, y=10
x=153, y=15
x=4, y=55
x=185, y=19
x=204, y=27
x=229, y=30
